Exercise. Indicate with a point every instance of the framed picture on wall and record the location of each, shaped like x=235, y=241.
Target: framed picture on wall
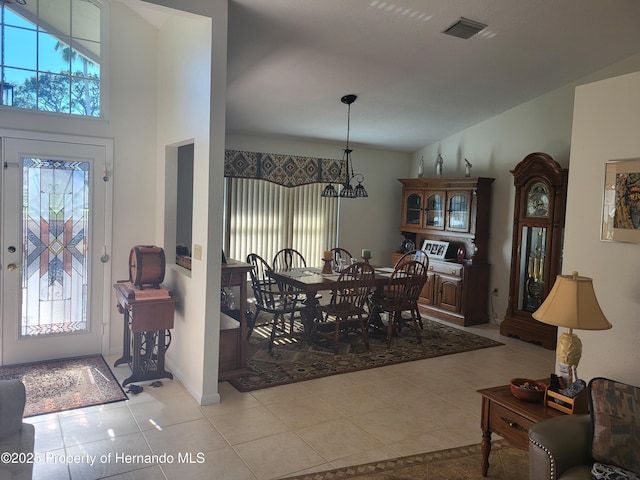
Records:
x=621, y=201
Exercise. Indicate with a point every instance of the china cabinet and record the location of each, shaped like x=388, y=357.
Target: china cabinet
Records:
x=456, y=211
x=437, y=210
x=536, y=253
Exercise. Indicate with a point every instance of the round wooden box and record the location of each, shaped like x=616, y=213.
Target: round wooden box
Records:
x=146, y=266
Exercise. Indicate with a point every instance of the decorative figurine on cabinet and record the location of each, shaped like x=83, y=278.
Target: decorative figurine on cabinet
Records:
x=467, y=168
x=439, y=163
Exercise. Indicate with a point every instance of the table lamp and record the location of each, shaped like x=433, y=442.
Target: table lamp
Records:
x=572, y=304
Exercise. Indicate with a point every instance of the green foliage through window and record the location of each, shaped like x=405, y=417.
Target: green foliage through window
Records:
x=50, y=56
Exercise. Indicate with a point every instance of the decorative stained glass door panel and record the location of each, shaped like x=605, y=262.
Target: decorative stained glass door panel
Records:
x=55, y=232
x=54, y=223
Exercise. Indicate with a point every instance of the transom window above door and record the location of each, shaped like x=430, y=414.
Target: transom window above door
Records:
x=51, y=56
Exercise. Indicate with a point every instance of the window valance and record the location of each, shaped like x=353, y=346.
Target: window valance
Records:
x=286, y=170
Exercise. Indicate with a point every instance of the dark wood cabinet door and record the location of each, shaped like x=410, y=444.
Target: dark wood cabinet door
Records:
x=426, y=294
x=435, y=210
x=413, y=208
x=449, y=293
x=458, y=211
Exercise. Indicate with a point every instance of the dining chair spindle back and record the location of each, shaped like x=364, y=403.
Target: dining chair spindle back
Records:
x=271, y=299
x=346, y=309
x=401, y=295
x=288, y=258
x=419, y=256
x=340, y=259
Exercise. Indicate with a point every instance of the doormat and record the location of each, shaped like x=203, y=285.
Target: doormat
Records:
x=67, y=384
x=294, y=360
x=463, y=463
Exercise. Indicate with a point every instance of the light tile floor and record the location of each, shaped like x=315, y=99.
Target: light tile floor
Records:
x=349, y=419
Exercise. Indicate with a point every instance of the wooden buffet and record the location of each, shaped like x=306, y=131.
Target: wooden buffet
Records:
x=455, y=210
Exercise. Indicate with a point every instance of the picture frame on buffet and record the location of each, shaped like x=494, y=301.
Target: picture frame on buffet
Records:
x=435, y=249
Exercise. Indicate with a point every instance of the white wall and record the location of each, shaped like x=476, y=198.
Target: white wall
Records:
x=371, y=222
x=131, y=102
x=191, y=58
x=497, y=145
x=605, y=127
x=183, y=98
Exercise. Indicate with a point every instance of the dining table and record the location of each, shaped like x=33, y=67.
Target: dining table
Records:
x=309, y=281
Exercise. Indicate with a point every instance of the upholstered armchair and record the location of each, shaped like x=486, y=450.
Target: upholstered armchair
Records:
x=604, y=444
x=16, y=437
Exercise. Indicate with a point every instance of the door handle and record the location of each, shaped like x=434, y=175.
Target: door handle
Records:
x=12, y=267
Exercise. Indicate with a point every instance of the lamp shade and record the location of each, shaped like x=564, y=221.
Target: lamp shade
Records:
x=572, y=303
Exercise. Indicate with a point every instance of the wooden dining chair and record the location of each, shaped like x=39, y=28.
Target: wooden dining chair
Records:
x=401, y=295
x=419, y=256
x=288, y=258
x=346, y=310
x=340, y=259
x=270, y=298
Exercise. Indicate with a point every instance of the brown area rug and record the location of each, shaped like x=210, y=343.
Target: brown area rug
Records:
x=462, y=463
x=57, y=385
x=293, y=360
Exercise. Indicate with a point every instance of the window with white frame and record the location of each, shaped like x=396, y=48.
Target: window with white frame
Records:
x=50, y=55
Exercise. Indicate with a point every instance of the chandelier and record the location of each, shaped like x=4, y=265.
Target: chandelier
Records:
x=347, y=190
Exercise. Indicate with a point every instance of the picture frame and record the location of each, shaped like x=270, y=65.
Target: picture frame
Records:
x=435, y=249
x=621, y=201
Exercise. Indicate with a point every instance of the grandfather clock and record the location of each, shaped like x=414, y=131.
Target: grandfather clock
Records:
x=536, y=252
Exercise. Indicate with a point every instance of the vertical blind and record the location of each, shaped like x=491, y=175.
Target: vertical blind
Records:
x=263, y=217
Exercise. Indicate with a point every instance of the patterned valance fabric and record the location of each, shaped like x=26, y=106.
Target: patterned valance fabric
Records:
x=286, y=170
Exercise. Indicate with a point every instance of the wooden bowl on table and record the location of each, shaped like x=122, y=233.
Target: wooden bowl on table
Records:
x=527, y=390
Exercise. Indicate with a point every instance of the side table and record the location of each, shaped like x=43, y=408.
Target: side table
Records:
x=148, y=319
x=505, y=415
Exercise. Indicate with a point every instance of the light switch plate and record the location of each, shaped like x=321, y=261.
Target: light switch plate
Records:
x=197, y=252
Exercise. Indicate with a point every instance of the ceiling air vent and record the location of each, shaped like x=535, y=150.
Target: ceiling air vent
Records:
x=464, y=28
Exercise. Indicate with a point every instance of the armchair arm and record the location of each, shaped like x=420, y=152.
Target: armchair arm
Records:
x=557, y=444
x=12, y=400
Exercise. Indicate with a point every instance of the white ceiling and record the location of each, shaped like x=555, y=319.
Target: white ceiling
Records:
x=290, y=62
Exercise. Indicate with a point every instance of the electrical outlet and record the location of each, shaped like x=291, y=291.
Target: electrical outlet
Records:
x=495, y=292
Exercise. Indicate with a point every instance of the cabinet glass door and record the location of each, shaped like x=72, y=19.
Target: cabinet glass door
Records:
x=531, y=291
x=413, y=209
x=459, y=205
x=435, y=210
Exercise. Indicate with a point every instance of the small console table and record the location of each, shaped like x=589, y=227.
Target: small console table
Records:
x=148, y=315
x=509, y=417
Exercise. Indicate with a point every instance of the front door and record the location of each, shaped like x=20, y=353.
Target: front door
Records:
x=55, y=227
